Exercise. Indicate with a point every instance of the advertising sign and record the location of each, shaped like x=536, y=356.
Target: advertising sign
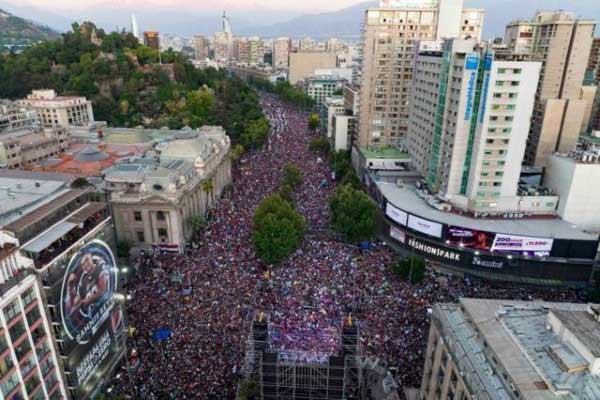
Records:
x=435, y=251
x=396, y=214
x=424, y=226
x=91, y=317
x=486, y=262
x=522, y=244
x=397, y=234
x=470, y=238
x=88, y=290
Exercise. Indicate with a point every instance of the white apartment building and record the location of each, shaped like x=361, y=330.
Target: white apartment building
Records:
x=282, y=48
x=28, y=358
x=55, y=110
x=390, y=35
x=223, y=46
x=470, y=117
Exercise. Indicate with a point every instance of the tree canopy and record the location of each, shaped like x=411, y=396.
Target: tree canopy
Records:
x=292, y=176
x=313, y=121
x=352, y=214
x=411, y=268
x=278, y=230
x=126, y=85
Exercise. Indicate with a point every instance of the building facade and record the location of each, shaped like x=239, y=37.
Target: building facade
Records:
x=30, y=146
x=390, y=35
x=71, y=243
x=469, y=121
x=201, y=47
x=249, y=50
x=54, y=110
x=155, y=199
x=497, y=349
x=304, y=64
x=282, y=47
x=30, y=361
x=562, y=43
x=223, y=46
x=152, y=40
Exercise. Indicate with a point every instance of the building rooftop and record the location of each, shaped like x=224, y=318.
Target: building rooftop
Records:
x=20, y=195
x=406, y=198
x=499, y=343
x=384, y=152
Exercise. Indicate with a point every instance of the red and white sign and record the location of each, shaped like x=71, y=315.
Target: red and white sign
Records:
x=397, y=234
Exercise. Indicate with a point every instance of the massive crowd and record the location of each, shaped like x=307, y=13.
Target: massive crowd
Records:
x=208, y=297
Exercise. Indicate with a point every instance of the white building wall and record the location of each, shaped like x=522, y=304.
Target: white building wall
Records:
x=576, y=184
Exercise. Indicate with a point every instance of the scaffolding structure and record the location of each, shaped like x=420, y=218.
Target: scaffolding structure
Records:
x=293, y=375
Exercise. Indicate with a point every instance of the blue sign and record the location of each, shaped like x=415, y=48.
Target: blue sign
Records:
x=470, y=95
x=472, y=61
x=486, y=86
x=489, y=58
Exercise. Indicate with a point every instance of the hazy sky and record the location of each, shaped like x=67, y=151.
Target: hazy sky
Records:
x=233, y=5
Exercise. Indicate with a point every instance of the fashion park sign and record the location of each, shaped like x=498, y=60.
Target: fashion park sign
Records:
x=434, y=250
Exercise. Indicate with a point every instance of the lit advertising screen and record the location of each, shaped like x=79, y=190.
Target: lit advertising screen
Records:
x=424, y=226
x=396, y=214
x=522, y=245
x=470, y=238
x=397, y=234
x=90, y=314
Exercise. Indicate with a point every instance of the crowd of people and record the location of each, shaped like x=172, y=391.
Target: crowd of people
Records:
x=208, y=297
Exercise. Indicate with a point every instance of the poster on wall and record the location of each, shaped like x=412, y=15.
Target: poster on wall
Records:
x=88, y=289
x=397, y=234
x=424, y=226
x=470, y=238
x=522, y=244
x=396, y=214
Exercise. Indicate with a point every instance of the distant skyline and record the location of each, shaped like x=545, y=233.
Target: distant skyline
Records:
x=232, y=5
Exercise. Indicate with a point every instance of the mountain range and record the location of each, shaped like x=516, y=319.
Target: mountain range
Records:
x=345, y=23
x=18, y=31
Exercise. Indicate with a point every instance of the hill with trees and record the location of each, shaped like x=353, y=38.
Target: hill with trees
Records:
x=19, y=31
x=127, y=85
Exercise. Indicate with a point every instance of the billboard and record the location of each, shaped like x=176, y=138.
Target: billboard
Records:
x=522, y=244
x=91, y=318
x=396, y=214
x=88, y=290
x=424, y=226
x=470, y=238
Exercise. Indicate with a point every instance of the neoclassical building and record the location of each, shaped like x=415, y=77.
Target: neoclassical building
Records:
x=155, y=197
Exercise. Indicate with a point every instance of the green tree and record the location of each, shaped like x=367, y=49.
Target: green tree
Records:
x=412, y=269
x=351, y=179
x=196, y=222
x=123, y=248
x=256, y=133
x=278, y=229
x=286, y=192
x=313, y=121
x=237, y=152
x=320, y=145
x=340, y=163
x=248, y=390
x=352, y=214
x=292, y=176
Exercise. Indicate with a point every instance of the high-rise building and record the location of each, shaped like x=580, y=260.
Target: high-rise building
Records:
x=306, y=44
x=152, y=39
x=223, y=46
x=201, y=48
x=304, y=64
x=562, y=43
x=502, y=349
x=281, y=52
x=30, y=361
x=249, y=50
x=389, y=38
x=593, y=78
x=469, y=122
x=333, y=44
x=134, y=27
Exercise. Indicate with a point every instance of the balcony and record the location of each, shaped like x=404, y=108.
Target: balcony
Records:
x=49, y=245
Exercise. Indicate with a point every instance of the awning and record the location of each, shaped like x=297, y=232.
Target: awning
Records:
x=44, y=240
